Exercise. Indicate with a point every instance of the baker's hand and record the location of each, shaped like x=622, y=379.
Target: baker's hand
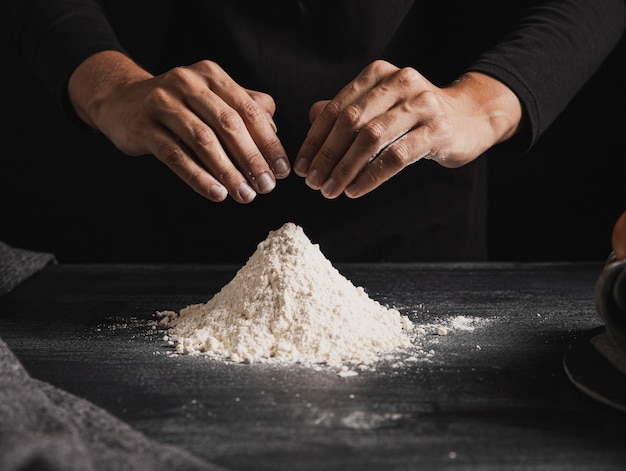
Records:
x=390, y=117
x=215, y=135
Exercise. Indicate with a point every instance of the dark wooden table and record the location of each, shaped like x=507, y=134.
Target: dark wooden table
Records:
x=494, y=398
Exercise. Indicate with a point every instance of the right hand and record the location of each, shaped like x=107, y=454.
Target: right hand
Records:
x=388, y=118
x=215, y=135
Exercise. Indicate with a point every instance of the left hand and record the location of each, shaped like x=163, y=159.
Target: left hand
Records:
x=388, y=118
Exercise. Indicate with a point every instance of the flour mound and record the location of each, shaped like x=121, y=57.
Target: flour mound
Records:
x=289, y=304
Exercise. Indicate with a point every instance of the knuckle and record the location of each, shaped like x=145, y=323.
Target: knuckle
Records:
x=158, y=98
x=269, y=146
x=172, y=155
x=343, y=170
x=181, y=77
x=208, y=67
x=408, y=76
x=372, y=132
x=251, y=111
x=214, y=75
x=194, y=178
x=426, y=100
x=442, y=127
x=397, y=155
x=312, y=142
x=326, y=155
x=249, y=158
x=350, y=116
x=371, y=175
x=203, y=136
x=228, y=176
x=377, y=67
x=330, y=111
x=229, y=120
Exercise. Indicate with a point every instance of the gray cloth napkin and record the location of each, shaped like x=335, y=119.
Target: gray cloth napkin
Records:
x=16, y=265
x=44, y=428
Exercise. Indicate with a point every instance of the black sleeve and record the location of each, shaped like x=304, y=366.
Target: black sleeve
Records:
x=54, y=37
x=550, y=54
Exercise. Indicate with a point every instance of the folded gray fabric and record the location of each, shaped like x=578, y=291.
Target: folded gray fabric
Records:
x=16, y=265
x=46, y=429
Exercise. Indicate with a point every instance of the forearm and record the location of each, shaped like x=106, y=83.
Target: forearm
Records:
x=551, y=53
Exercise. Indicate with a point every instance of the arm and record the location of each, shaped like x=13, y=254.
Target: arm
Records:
x=215, y=135
x=362, y=138
x=551, y=53
x=195, y=119
x=54, y=37
x=388, y=118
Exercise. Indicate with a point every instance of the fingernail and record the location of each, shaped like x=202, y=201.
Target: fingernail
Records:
x=301, y=167
x=328, y=187
x=266, y=183
x=314, y=179
x=246, y=193
x=352, y=191
x=218, y=192
x=281, y=168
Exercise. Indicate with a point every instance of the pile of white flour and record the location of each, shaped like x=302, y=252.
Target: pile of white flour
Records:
x=289, y=304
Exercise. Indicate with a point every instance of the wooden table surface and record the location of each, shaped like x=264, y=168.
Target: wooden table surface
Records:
x=493, y=398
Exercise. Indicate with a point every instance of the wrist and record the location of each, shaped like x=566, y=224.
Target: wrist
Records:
x=493, y=102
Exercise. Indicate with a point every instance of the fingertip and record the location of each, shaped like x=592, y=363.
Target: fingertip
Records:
x=301, y=167
x=328, y=189
x=352, y=191
x=245, y=193
x=314, y=179
x=217, y=193
x=281, y=168
x=265, y=183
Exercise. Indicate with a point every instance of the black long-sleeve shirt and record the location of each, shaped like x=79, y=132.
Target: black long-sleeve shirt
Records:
x=304, y=51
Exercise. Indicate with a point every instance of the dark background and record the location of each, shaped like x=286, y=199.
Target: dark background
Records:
x=60, y=190
x=561, y=201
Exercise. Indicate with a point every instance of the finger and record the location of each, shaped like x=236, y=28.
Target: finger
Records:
x=316, y=109
x=373, y=139
x=264, y=100
x=406, y=150
x=338, y=141
x=248, y=134
x=173, y=153
x=325, y=120
x=226, y=124
x=268, y=143
x=360, y=132
x=316, y=137
x=200, y=143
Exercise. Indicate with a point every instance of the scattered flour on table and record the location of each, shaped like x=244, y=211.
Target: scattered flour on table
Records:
x=289, y=304
x=466, y=323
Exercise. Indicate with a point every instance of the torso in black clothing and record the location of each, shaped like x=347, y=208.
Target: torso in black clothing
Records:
x=300, y=53
x=118, y=208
